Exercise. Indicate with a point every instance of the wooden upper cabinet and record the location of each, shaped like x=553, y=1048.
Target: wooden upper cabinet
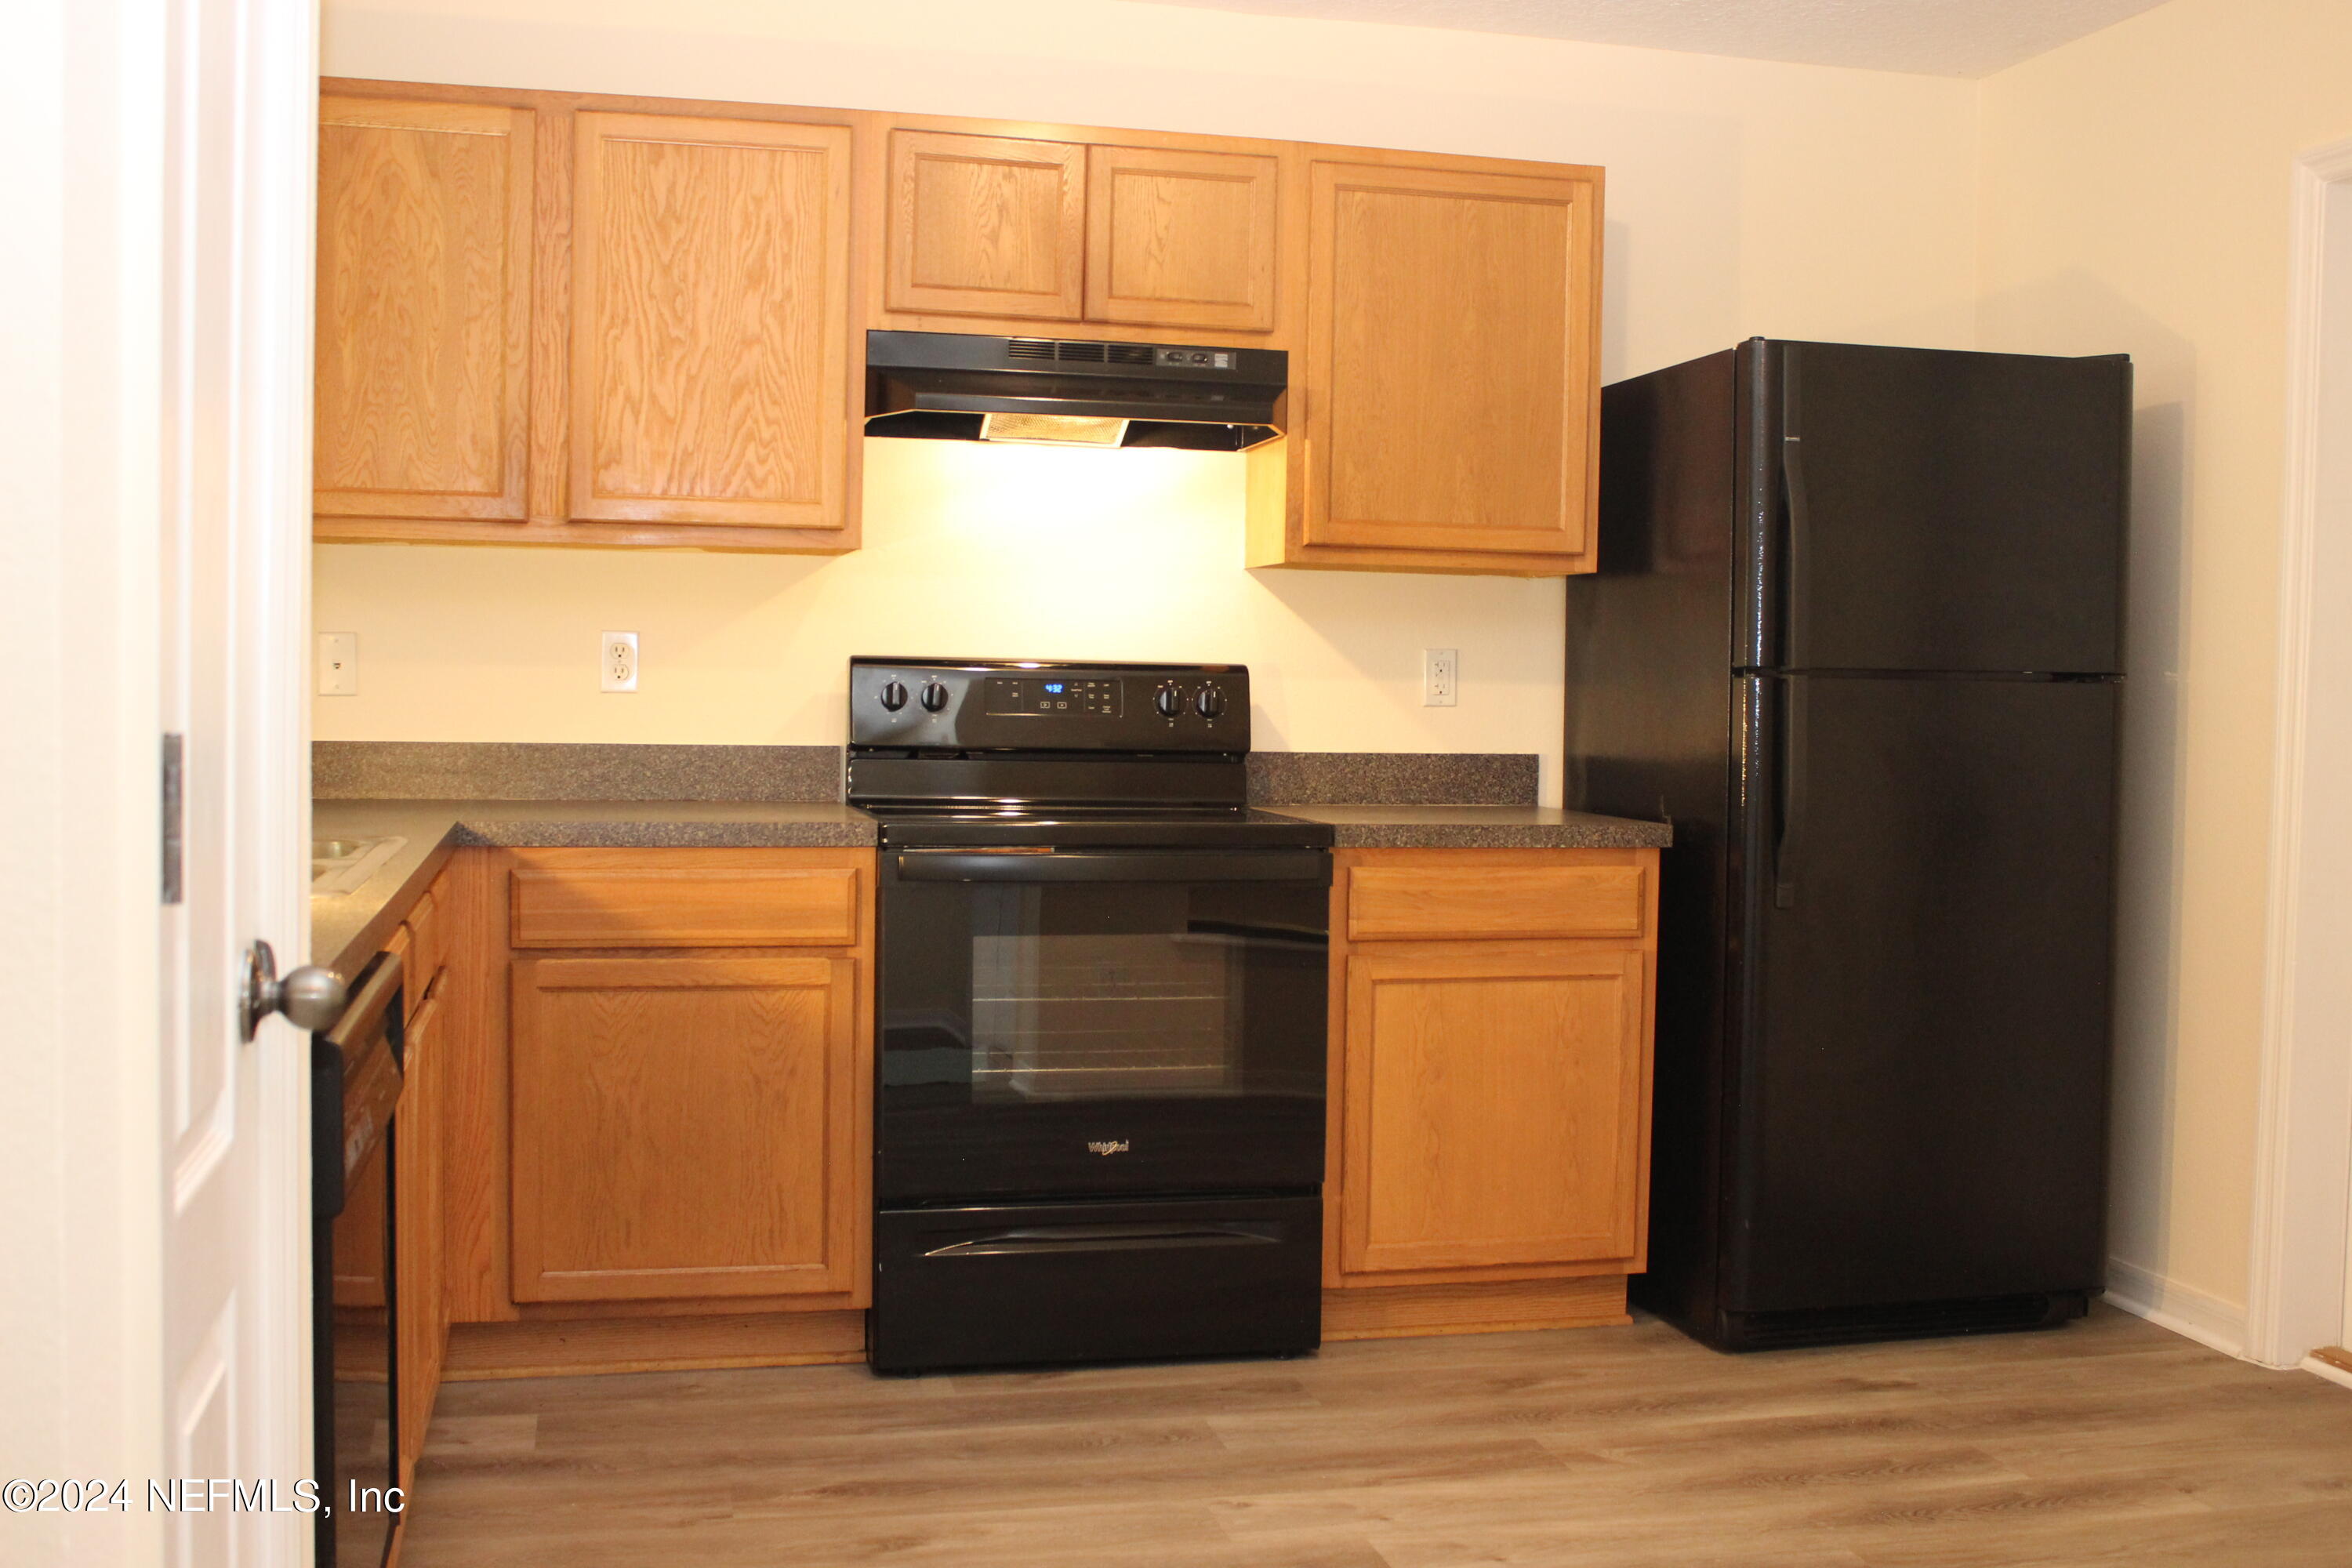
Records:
x=1451, y=414
x=985, y=226
x=687, y=1127
x=1493, y=1101
x=1182, y=239
x=710, y=322
x=554, y=317
x=423, y=310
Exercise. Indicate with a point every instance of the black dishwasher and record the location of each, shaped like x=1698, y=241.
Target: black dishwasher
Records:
x=355, y=1083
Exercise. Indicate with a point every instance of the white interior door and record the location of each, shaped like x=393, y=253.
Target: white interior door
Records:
x=239, y=90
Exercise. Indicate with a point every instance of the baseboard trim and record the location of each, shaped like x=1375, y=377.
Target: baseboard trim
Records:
x=569, y=1349
x=2168, y=1304
x=1493, y=1307
x=2332, y=1364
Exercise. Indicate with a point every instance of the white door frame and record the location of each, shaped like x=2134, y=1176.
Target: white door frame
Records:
x=86, y=1309
x=2303, y=1193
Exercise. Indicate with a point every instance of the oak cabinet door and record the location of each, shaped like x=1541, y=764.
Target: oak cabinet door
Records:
x=1452, y=361
x=422, y=354
x=1492, y=1108
x=417, y=1249
x=1182, y=239
x=684, y=1127
x=710, y=322
x=985, y=226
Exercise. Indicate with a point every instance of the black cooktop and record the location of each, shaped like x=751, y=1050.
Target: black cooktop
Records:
x=1045, y=755
x=1101, y=827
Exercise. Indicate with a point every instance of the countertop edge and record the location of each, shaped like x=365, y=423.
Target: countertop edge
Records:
x=369, y=939
x=1483, y=835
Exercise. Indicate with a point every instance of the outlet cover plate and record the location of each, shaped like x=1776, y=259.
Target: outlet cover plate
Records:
x=1441, y=676
x=616, y=657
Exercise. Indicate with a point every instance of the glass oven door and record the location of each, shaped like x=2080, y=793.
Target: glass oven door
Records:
x=1084, y=1024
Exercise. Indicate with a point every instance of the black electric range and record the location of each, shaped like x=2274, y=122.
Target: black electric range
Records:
x=1102, y=983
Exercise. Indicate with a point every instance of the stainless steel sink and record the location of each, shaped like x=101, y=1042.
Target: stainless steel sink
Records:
x=344, y=864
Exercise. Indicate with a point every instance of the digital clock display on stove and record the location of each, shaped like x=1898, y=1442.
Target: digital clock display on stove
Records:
x=1013, y=696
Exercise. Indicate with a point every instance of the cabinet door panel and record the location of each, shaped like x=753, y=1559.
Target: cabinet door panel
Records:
x=1452, y=322
x=710, y=329
x=986, y=226
x=684, y=1127
x=1181, y=239
x=1493, y=1108
x=417, y=1247
x=423, y=310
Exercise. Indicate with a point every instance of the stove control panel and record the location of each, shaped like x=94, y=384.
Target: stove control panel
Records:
x=1006, y=695
x=982, y=704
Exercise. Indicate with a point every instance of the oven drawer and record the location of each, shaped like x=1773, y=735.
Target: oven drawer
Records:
x=1006, y=1285
x=1465, y=897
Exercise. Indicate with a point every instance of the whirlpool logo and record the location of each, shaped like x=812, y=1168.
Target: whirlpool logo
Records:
x=1108, y=1146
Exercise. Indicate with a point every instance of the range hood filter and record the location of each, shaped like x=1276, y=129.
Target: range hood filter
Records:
x=1052, y=430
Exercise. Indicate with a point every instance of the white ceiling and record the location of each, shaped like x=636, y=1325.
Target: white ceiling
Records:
x=1936, y=37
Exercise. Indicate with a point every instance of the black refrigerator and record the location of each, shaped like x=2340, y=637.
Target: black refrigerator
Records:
x=1857, y=633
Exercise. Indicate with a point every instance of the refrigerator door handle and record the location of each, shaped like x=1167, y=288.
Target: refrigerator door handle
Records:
x=1788, y=844
x=1796, y=618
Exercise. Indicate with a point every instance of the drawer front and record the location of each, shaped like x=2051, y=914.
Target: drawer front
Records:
x=1485, y=901
x=424, y=958
x=686, y=907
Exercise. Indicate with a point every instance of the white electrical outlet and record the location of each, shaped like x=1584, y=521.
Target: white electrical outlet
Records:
x=1440, y=676
x=339, y=664
x=617, y=652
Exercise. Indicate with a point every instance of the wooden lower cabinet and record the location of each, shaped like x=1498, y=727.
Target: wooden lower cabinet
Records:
x=422, y=1334
x=685, y=1126
x=1493, y=1108
x=688, y=1121
x=1490, y=1098
x=657, y=1155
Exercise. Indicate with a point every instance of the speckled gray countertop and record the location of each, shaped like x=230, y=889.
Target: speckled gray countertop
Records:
x=1477, y=827
x=347, y=929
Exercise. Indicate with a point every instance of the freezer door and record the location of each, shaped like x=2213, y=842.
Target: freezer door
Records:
x=1920, y=1069
x=1940, y=511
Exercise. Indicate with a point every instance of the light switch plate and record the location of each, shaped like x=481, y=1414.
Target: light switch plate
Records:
x=339, y=664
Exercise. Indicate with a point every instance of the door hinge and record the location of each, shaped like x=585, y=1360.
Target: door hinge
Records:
x=174, y=751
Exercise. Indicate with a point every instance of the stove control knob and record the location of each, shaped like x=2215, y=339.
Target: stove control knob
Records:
x=935, y=697
x=1211, y=702
x=894, y=696
x=1169, y=700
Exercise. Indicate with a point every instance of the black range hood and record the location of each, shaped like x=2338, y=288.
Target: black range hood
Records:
x=957, y=386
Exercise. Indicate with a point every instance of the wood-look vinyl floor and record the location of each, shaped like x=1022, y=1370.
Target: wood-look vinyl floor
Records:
x=2112, y=1441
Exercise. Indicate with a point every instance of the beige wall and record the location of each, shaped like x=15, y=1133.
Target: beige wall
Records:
x=2135, y=197
x=1743, y=197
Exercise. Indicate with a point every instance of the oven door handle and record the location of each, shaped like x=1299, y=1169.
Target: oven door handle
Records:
x=1068, y=1238
x=1086, y=866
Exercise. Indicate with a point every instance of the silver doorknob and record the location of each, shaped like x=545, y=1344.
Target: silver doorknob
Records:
x=310, y=997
